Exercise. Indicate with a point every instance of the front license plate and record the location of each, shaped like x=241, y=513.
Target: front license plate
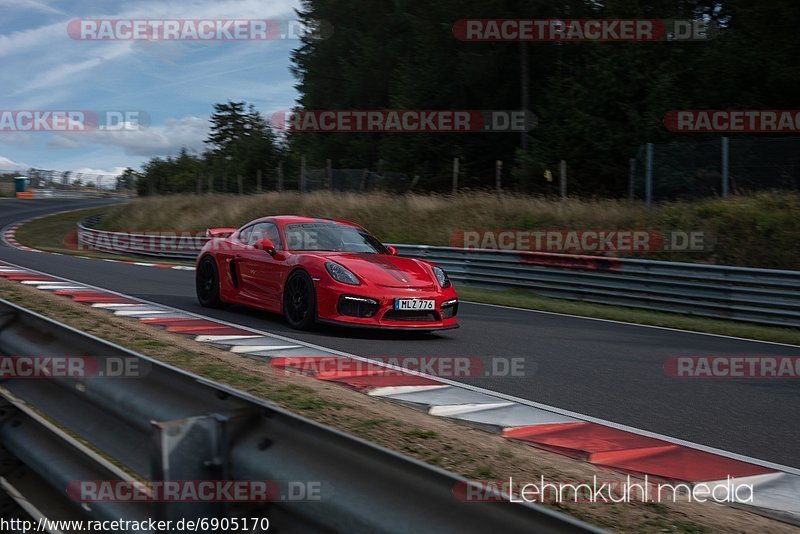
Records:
x=414, y=304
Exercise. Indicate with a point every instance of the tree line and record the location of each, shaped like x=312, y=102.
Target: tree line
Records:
x=596, y=103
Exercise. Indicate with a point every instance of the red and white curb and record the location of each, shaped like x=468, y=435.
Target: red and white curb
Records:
x=9, y=237
x=776, y=488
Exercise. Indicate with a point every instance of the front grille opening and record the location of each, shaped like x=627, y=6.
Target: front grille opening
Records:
x=412, y=315
x=357, y=306
x=448, y=312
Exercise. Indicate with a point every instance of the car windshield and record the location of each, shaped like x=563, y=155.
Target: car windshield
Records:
x=331, y=237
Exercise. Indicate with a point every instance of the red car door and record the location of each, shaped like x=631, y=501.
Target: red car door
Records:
x=262, y=273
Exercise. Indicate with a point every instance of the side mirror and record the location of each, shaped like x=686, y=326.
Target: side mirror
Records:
x=392, y=251
x=266, y=245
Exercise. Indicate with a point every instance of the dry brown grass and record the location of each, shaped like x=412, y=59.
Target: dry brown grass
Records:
x=760, y=230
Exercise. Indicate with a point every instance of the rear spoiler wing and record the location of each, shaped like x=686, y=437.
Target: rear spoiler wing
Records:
x=220, y=232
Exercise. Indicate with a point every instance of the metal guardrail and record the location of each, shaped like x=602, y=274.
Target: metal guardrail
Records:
x=62, y=193
x=765, y=296
x=168, y=424
x=158, y=245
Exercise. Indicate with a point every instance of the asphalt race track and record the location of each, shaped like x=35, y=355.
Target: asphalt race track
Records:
x=603, y=369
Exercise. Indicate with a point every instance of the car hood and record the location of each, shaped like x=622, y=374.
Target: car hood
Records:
x=385, y=270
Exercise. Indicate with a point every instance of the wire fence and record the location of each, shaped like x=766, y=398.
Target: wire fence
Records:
x=687, y=170
x=707, y=168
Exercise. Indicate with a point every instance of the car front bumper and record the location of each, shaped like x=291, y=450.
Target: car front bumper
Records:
x=331, y=311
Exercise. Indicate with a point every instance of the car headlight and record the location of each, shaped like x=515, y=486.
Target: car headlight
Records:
x=341, y=274
x=441, y=277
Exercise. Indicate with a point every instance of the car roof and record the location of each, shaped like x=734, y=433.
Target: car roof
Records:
x=283, y=220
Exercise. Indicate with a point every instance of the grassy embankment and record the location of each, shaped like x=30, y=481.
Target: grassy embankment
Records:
x=757, y=231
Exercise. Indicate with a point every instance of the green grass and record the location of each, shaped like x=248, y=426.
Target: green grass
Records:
x=531, y=301
x=57, y=233
x=52, y=233
x=421, y=434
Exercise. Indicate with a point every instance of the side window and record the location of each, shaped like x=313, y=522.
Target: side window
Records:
x=244, y=235
x=262, y=230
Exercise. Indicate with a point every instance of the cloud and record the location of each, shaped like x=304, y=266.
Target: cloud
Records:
x=31, y=5
x=174, y=82
x=10, y=165
x=114, y=171
x=174, y=134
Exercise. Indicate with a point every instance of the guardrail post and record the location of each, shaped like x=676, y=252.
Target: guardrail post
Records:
x=191, y=450
x=562, y=181
x=725, y=176
x=498, y=175
x=329, y=173
x=648, y=176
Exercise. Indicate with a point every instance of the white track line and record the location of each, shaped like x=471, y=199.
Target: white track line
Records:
x=637, y=324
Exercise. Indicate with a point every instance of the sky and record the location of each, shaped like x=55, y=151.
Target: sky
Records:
x=171, y=84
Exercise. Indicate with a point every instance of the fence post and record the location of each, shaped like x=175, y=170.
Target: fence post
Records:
x=329, y=173
x=498, y=175
x=455, y=175
x=303, y=174
x=280, y=177
x=725, y=175
x=648, y=176
x=631, y=178
x=258, y=180
x=562, y=181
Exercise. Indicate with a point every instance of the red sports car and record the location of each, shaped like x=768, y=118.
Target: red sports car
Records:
x=323, y=271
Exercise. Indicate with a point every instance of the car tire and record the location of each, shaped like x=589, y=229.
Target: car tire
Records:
x=300, y=301
x=207, y=283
